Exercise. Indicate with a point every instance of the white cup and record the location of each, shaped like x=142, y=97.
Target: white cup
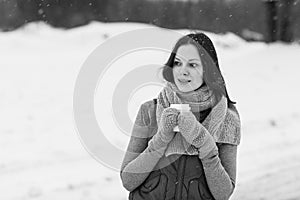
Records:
x=181, y=108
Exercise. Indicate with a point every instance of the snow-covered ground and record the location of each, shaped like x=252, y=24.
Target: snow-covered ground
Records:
x=42, y=158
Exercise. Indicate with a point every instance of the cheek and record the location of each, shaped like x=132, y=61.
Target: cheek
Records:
x=197, y=73
x=175, y=72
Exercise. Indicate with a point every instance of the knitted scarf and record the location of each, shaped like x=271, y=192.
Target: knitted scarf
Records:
x=222, y=123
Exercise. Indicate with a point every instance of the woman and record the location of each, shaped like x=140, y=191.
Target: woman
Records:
x=199, y=161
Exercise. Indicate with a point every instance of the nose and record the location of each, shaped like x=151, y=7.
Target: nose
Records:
x=184, y=70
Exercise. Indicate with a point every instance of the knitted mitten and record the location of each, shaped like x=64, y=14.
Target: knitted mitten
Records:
x=165, y=133
x=196, y=134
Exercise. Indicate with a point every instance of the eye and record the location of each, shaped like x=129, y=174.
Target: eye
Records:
x=177, y=63
x=193, y=64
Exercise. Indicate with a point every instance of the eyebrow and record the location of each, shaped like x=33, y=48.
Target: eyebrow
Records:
x=190, y=59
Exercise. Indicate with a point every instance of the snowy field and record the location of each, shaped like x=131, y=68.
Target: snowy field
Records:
x=41, y=155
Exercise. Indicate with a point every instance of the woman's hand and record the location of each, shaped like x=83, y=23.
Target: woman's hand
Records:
x=196, y=134
x=168, y=120
x=186, y=124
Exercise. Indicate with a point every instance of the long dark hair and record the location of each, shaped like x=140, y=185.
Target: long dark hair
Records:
x=211, y=71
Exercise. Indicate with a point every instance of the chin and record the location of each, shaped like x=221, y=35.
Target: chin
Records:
x=185, y=89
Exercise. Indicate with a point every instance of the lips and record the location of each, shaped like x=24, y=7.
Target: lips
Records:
x=182, y=80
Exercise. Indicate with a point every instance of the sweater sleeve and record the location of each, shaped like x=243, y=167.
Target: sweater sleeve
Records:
x=141, y=156
x=220, y=170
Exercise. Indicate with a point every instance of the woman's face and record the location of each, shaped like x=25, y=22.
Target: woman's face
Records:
x=187, y=68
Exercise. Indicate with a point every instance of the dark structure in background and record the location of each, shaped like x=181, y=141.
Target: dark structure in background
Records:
x=246, y=18
x=279, y=20
x=286, y=24
x=272, y=19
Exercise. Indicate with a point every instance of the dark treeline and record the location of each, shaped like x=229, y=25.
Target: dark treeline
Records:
x=242, y=17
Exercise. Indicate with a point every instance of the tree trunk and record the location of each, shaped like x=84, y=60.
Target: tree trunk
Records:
x=286, y=34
